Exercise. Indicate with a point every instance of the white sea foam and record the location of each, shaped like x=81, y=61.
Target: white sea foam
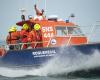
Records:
x=58, y=65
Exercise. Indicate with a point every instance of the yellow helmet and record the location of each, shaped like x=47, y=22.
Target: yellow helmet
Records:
x=25, y=26
x=36, y=26
x=12, y=29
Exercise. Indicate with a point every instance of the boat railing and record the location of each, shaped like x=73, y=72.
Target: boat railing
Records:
x=19, y=46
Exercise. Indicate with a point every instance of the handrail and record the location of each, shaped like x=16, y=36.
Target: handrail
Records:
x=19, y=45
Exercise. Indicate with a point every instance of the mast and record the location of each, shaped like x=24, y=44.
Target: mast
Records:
x=45, y=7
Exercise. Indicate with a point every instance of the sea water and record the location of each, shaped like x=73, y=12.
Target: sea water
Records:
x=63, y=67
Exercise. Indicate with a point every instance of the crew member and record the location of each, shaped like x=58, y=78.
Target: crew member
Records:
x=32, y=38
x=39, y=14
x=35, y=36
x=12, y=37
x=23, y=35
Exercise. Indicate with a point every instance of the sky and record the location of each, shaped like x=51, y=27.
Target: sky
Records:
x=87, y=12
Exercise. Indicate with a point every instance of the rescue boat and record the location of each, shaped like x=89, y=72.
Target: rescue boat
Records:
x=56, y=34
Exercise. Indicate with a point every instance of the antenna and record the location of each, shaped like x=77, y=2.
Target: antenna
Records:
x=22, y=14
x=45, y=7
x=71, y=16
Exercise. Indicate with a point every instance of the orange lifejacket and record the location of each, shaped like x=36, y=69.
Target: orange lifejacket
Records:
x=12, y=38
x=39, y=39
x=23, y=35
x=35, y=37
x=38, y=35
x=23, y=38
x=32, y=38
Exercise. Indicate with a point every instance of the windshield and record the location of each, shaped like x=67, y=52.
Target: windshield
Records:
x=64, y=31
x=61, y=31
x=74, y=31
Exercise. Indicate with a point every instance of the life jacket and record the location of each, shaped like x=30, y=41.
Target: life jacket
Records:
x=35, y=37
x=32, y=36
x=38, y=39
x=12, y=38
x=38, y=35
x=23, y=36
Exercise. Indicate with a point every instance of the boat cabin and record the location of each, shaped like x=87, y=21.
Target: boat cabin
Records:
x=57, y=32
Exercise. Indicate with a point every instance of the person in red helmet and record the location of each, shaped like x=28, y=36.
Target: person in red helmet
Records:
x=23, y=36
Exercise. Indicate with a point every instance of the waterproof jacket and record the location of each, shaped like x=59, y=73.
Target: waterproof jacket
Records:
x=12, y=38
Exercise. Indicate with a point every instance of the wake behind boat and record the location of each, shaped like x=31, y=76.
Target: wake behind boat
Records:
x=42, y=39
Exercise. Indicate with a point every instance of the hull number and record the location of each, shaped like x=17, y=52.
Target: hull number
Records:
x=48, y=32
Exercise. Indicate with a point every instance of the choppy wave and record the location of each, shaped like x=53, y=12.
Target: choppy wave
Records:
x=61, y=65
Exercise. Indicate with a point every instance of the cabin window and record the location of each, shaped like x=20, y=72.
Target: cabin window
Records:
x=74, y=31
x=64, y=31
x=61, y=31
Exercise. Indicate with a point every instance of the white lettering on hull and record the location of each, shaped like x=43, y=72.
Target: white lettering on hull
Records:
x=44, y=53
